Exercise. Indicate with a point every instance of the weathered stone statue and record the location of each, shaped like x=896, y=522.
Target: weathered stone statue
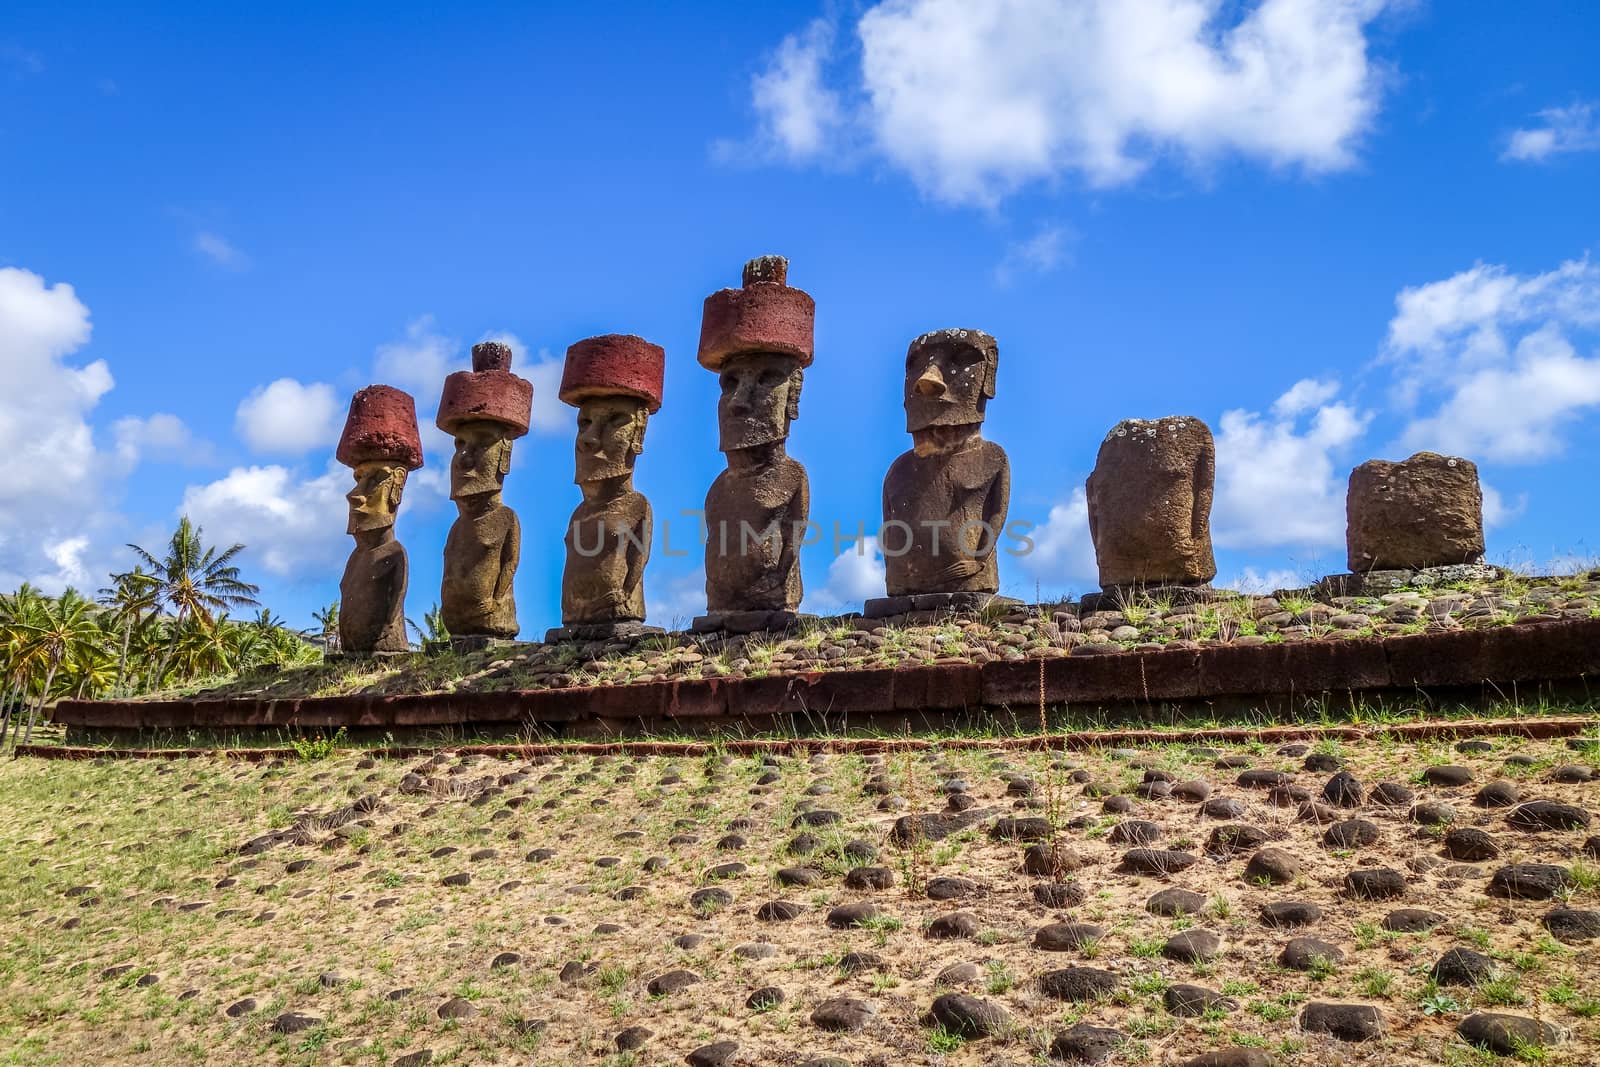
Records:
x=484, y=409
x=1150, y=504
x=944, y=502
x=1426, y=511
x=615, y=383
x=381, y=445
x=759, y=341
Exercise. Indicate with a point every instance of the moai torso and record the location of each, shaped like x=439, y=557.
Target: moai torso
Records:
x=755, y=518
x=480, y=561
x=608, y=544
x=372, y=600
x=1149, y=503
x=944, y=499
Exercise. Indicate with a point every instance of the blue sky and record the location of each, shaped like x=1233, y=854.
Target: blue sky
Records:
x=1333, y=229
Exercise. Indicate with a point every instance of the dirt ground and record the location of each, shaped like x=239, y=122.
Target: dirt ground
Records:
x=479, y=911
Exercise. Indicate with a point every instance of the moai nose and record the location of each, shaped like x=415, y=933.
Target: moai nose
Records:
x=931, y=383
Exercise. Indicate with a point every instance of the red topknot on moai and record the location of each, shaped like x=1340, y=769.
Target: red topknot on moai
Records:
x=759, y=340
x=381, y=445
x=615, y=383
x=484, y=409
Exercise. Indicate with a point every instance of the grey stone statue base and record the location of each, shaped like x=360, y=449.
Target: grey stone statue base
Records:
x=464, y=643
x=1114, y=598
x=1377, y=583
x=358, y=657
x=885, y=607
x=748, y=622
x=599, y=631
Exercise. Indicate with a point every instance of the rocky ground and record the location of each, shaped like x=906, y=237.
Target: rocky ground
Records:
x=1045, y=630
x=1376, y=903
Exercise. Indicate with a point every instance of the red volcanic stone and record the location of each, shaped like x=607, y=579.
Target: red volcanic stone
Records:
x=491, y=355
x=764, y=316
x=487, y=393
x=614, y=364
x=382, y=425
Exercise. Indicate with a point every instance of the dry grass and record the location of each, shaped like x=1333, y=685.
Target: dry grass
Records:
x=99, y=860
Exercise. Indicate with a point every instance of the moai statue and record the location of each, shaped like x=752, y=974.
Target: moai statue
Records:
x=615, y=383
x=758, y=339
x=1150, y=505
x=381, y=445
x=1426, y=511
x=484, y=409
x=944, y=502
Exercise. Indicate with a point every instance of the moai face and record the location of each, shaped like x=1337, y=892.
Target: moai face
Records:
x=610, y=437
x=482, y=459
x=375, y=498
x=949, y=380
x=760, y=397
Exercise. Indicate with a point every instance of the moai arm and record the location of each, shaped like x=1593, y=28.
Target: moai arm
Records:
x=795, y=515
x=998, y=503
x=638, y=552
x=1204, y=478
x=510, y=555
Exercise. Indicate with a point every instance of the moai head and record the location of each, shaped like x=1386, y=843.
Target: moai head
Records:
x=615, y=383
x=759, y=341
x=950, y=377
x=484, y=409
x=380, y=442
x=610, y=436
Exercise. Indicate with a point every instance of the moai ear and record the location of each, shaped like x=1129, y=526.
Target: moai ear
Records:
x=792, y=406
x=990, y=365
x=503, y=461
x=397, y=487
x=640, y=421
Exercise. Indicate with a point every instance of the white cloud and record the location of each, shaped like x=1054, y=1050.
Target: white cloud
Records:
x=161, y=435
x=66, y=557
x=674, y=602
x=291, y=527
x=1493, y=350
x=854, y=575
x=1251, y=580
x=1303, y=396
x=53, y=480
x=218, y=250
x=974, y=100
x=1517, y=413
x=1063, y=552
x=419, y=363
x=1575, y=128
x=1496, y=510
x=1039, y=254
x=797, y=114
x=1277, y=482
x=288, y=417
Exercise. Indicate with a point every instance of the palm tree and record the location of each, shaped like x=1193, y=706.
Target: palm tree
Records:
x=133, y=596
x=64, y=629
x=328, y=619
x=16, y=611
x=265, y=621
x=194, y=581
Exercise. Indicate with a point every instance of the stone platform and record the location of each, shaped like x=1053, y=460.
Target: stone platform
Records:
x=1281, y=679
